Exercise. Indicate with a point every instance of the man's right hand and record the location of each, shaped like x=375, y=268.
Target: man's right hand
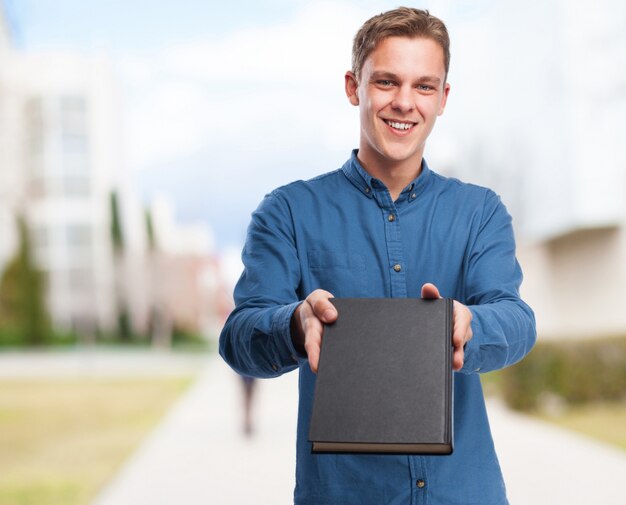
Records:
x=307, y=324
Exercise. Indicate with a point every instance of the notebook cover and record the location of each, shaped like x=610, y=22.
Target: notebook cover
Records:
x=384, y=382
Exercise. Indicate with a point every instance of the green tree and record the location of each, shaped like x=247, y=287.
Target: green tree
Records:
x=124, y=327
x=161, y=325
x=23, y=309
x=117, y=237
x=150, y=230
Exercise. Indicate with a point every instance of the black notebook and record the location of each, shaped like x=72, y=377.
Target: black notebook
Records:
x=384, y=382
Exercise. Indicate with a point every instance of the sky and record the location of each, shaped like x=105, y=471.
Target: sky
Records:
x=224, y=101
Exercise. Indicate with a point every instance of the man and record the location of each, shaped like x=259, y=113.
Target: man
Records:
x=385, y=225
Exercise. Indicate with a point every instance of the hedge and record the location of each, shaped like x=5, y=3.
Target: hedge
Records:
x=577, y=371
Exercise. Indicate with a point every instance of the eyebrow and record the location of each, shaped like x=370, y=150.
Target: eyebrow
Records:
x=382, y=74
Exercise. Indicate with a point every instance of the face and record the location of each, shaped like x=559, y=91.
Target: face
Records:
x=401, y=92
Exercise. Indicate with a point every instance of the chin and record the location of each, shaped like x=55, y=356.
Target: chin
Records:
x=399, y=156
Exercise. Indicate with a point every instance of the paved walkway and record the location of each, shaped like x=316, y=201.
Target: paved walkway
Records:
x=99, y=362
x=198, y=455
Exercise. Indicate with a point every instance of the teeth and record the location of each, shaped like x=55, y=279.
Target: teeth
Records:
x=399, y=126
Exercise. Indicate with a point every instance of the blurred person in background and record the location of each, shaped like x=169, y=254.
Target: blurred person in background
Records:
x=249, y=387
x=386, y=226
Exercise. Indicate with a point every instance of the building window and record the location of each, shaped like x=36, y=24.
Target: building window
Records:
x=35, y=134
x=74, y=139
x=73, y=115
x=75, y=185
x=79, y=235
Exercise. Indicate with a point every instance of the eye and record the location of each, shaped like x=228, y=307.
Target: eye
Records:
x=424, y=87
x=385, y=83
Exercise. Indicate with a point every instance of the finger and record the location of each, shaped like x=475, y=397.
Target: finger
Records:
x=462, y=323
x=458, y=358
x=459, y=338
x=322, y=308
x=462, y=333
x=313, y=329
x=313, y=353
x=430, y=291
x=313, y=342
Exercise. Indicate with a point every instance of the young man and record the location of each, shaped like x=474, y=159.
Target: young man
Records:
x=385, y=225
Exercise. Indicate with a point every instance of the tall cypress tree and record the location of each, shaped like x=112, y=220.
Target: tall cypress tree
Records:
x=22, y=294
x=150, y=230
x=117, y=238
x=160, y=317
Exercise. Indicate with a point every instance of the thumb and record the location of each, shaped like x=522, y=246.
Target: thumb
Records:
x=430, y=291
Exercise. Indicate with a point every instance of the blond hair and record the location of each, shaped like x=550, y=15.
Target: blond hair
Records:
x=400, y=22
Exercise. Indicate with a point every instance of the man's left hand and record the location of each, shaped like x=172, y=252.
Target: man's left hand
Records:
x=462, y=325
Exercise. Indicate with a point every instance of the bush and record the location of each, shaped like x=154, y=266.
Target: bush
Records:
x=12, y=337
x=183, y=338
x=575, y=371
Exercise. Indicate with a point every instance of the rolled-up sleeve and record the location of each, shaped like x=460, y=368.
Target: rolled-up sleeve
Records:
x=256, y=339
x=503, y=324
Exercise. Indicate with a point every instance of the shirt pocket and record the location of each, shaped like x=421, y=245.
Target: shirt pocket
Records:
x=344, y=274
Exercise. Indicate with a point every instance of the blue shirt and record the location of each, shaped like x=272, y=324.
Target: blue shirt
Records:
x=342, y=232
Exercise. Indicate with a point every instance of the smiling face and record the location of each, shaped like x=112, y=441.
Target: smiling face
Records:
x=400, y=93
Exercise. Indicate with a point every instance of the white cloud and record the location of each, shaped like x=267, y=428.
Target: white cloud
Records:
x=309, y=48
x=267, y=86
x=265, y=105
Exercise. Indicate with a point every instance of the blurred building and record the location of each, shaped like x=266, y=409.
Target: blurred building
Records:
x=180, y=287
x=61, y=159
x=69, y=132
x=575, y=247
x=542, y=122
x=185, y=276
x=9, y=147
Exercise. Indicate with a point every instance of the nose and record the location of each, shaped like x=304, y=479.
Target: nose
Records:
x=403, y=99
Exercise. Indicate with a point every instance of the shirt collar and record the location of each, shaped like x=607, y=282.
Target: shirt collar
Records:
x=365, y=182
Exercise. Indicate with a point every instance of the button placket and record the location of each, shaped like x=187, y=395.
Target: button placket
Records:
x=393, y=241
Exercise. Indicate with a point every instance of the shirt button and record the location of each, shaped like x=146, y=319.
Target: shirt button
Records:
x=368, y=190
x=420, y=483
x=391, y=218
x=275, y=368
x=413, y=196
x=397, y=267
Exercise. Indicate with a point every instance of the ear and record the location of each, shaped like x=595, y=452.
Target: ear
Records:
x=444, y=98
x=351, y=88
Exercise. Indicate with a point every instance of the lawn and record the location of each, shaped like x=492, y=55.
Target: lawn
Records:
x=602, y=421
x=61, y=440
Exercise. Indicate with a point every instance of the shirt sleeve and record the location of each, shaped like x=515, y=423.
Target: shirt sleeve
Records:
x=503, y=325
x=256, y=339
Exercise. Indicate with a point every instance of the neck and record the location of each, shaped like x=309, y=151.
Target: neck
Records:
x=394, y=175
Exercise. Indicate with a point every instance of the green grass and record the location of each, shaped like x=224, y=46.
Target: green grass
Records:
x=61, y=440
x=602, y=421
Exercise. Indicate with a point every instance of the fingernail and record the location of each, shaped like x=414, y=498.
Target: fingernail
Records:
x=329, y=314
